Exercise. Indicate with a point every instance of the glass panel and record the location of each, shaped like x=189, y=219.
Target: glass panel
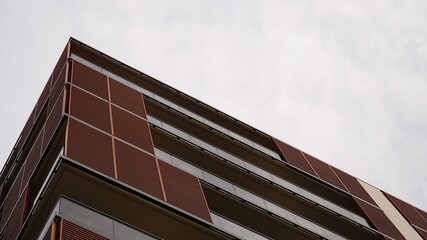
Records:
x=236, y=229
x=258, y=171
x=187, y=167
x=154, y=121
x=337, y=209
x=218, y=182
x=166, y=102
x=175, y=131
x=162, y=155
x=358, y=219
x=217, y=127
x=312, y=197
x=332, y=235
x=310, y=226
x=267, y=151
x=285, y=184
x=279, y=211
x=141, y=90
x=216, y=221
x=242, y=139
x=250, y=197
x=191, y=114
x=231, y=158
x=203, y=144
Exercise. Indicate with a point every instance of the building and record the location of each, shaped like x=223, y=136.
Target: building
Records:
x=111, y=153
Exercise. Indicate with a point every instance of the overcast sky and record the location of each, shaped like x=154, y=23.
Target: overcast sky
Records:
x=345, y=81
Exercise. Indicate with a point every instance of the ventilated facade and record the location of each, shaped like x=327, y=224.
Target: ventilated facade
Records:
x=111, y=153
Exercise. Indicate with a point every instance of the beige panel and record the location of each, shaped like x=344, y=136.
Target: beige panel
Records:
x=391, y=212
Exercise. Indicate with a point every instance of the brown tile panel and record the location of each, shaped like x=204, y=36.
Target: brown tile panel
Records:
x=90, y=109
x=11, y=199
x=408, y=212
x=43, y=98
x=138, y=169
x=380, y=220
x=183, y=190
x=90, y=147
x=56, y=91
x=294, y=157
x=324, y=171
x=15, y=221
x=353, y=185
x=52, y=121
x=422, y=213
x=60, y=65
x=33, y=158
x=132, y=129
x=127, y=98
x=72, y=231
x=27, y=129
x=90, y=80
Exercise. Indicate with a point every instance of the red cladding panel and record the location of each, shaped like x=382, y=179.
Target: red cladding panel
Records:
x=408, y=211
x=353, y=185
x=71, y=231
x=11, y=199
x=14, y=224
x=60, y=65
x=90, y=80
x=294, y=157
x=380, y=220
x=52, y=121
x=27, y=129
x=132, y=129
x=127, y=98
x=422, y=213
x=324, y=172
x=183, y=190
x=33, y=158
x=90, y=147
x=138, y=169
x=90, y=109
x=43, y=98
x=56, y=91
